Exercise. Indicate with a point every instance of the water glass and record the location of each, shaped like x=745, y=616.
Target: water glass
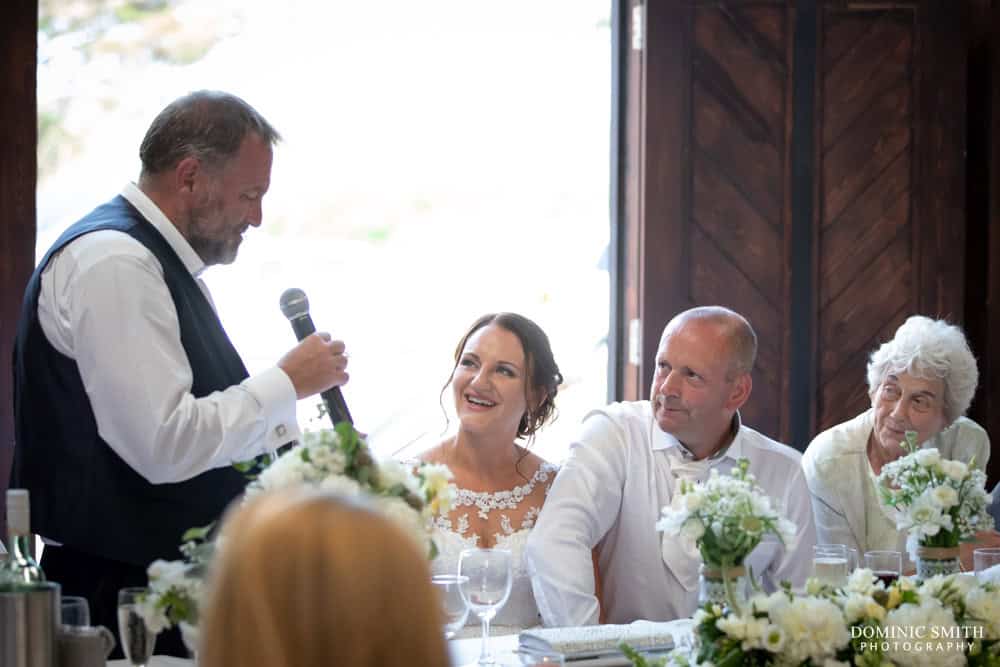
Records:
x=137, y=640
x=489, y=575
x=886, y=565
x=830, y=564
x=75, y=612
x=983, y=559
x=456, y=611
x=852, y=560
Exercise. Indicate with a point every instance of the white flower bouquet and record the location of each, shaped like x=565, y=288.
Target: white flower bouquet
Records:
x=726, y=517
x=941, y=502
x=945, y=621
x=335, y=460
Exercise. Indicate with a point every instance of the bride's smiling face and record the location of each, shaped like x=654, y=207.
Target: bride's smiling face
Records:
x=489, y=382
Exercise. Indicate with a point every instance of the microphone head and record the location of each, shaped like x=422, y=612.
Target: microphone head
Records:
x=294, y=303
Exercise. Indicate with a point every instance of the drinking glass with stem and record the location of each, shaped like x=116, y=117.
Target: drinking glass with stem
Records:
x=137, y=640
x=488, y=574
x=456, y=611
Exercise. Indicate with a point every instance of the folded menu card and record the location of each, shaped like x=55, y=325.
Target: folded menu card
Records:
x=600, y=641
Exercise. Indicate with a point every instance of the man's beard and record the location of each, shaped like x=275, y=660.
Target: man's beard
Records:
x=212, y=250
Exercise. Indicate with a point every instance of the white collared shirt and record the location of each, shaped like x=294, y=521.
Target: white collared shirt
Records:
x=104, y=304
x=608, y=494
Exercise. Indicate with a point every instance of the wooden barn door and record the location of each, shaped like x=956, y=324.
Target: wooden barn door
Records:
x=707, y=122
x=802, y=164
x=891, y=186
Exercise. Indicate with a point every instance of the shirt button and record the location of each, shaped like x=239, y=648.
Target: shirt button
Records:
x=280, y=430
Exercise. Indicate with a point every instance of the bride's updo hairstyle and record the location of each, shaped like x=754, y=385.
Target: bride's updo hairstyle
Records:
x=543, y=373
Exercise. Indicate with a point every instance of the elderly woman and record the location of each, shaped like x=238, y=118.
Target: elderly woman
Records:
x=922, y=380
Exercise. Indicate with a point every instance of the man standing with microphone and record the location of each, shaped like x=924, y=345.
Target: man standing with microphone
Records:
x=130, y=401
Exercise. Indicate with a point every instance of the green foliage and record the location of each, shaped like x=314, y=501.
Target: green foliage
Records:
x=639, y=660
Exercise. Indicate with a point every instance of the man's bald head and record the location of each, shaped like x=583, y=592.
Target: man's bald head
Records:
x=739, y=333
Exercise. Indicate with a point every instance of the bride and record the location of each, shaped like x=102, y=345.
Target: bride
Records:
x=504, y=385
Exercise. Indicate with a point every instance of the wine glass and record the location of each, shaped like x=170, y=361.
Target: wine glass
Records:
x=137, y=640
x=488, y=574
x=456, y=611
x=886, y=565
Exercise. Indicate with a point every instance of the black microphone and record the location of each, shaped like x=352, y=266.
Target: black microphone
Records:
x=295, y=307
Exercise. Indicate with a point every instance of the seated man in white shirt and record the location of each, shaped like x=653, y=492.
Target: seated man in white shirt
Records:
x=625, y=466
x=131, y=403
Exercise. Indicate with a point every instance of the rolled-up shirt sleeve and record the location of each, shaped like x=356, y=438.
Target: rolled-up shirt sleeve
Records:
x=107, y=307
x=581, y=507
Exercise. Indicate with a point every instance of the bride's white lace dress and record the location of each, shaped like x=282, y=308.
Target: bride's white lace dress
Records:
x=505, y=518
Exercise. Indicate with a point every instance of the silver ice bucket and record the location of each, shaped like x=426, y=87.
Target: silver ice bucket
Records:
x=29, y=622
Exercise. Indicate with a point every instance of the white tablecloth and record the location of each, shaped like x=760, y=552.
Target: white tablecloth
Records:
x=463, y=651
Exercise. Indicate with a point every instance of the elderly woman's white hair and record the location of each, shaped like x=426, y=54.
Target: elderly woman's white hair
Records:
x=929, y=349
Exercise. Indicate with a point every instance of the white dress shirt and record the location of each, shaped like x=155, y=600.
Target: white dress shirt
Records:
x=846, y=501
x=621, y=472
x=104, y=304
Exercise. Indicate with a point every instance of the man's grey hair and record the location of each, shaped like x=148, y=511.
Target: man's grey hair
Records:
x=929, y=349
x=209, y=125
x=742, y=339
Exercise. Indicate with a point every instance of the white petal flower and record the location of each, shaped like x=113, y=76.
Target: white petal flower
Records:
x=928, y=457
x=945, y=496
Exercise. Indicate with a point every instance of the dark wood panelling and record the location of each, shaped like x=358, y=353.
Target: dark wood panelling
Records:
x=939, y=190
x=864, y=230
x=878, y=62
x=874, y=229
x=989, y=381
x=738, y=223
x=890, y=166
x=855, y=160
x=747, y=159
x=664, y=252
x=720, y=238
x=18, y=136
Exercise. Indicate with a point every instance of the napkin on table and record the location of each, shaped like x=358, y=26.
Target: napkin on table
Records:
x=595, y=641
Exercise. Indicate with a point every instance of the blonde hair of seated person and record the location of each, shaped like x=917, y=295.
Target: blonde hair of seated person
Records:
x=305, y=579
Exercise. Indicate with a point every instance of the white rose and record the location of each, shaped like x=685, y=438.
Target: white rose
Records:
x=437, y=477
x=955, y=470
x=945, y=496
x=928, y=457
x=693, y=501
x=392, y=473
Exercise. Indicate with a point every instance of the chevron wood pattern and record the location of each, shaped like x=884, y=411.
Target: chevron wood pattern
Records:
x=866, y=247
x=738, y=223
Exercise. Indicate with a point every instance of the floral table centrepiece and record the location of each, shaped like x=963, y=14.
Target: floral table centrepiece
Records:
x=945, y=621
x=725, y=517
x=940, y=502
x=336, y=460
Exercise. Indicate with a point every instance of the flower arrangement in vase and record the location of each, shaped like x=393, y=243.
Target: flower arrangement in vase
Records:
x=337, y=460
x=725, y=518
x=941, y=503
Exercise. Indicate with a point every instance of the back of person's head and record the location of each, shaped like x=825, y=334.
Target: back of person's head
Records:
x=209, y=125
x=543, y=373
x=305, y=579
